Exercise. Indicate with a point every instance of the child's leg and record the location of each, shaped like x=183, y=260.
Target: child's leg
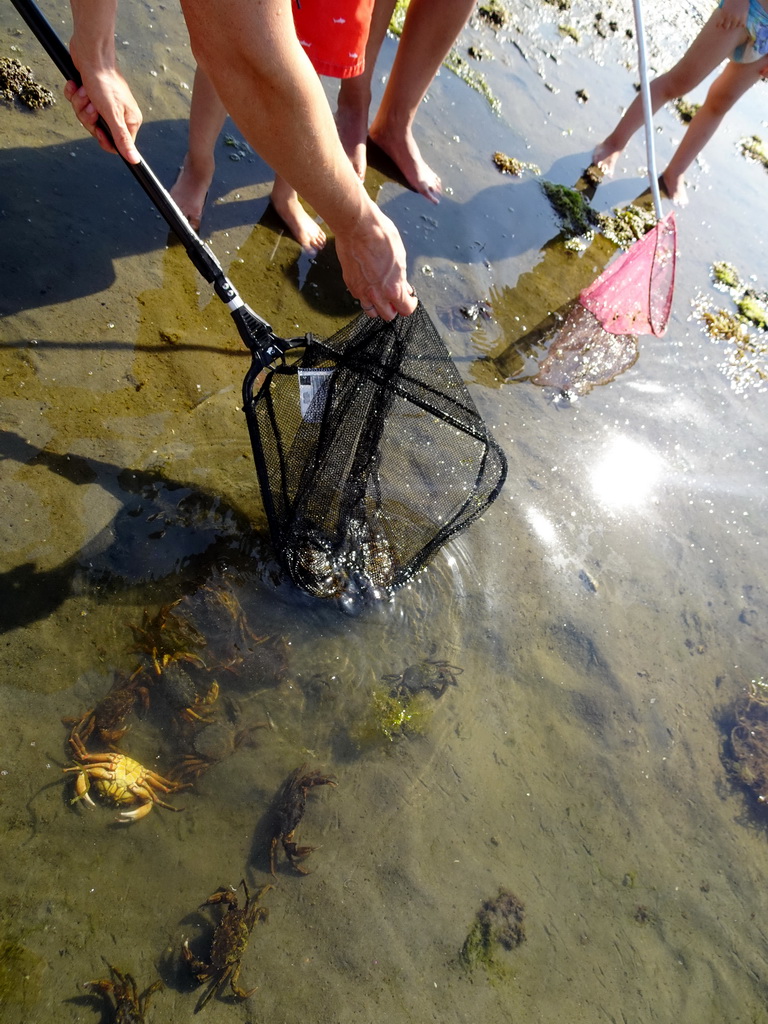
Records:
x=354, y=99
x=307, y=233
x=712, y=45
x=727, y=88
x=430, y=29
x=206, y=119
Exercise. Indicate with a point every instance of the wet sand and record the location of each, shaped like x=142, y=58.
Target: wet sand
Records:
x=605, y=620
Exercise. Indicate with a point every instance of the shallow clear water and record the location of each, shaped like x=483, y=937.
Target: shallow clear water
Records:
x=605, y=614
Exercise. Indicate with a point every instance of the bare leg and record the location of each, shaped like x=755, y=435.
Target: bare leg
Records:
x=712, y=45
x=206, y=119
x=727, y=88
x=307, y=233
x=430, y=30
x=354, y=98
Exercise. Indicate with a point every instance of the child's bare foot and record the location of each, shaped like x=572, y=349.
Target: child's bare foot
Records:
x=605, y=157
x=402, y=149
x=673, y=187
x=352, y=126
x=306, y=231
x=190, y=190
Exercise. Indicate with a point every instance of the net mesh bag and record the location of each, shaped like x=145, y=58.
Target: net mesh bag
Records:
x=371, y=454
x=634, y=294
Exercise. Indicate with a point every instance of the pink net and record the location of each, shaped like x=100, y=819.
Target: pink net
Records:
x=634, y=294
x=582, y=354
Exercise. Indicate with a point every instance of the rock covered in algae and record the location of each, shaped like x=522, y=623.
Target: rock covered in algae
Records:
x=747, y=758
x=511, y=165
x=17, y=82
x=626, y=226
x=573, y=211
x=498, y=923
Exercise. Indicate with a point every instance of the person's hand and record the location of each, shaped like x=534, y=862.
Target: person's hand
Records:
x=372, y=257
x=733, y=14
x=106, y=93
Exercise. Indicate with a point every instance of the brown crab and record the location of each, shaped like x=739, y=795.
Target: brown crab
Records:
x=432, y=675
x=106, y=720
x=289, y=809
x=230, y=940
x=122, y=994
x=167, y=637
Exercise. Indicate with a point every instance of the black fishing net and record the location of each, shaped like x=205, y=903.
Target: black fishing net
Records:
x=371, y=454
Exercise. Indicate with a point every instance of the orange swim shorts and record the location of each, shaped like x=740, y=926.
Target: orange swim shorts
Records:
x=334, y=34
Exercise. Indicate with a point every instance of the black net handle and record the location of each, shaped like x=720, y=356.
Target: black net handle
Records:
x=254, y=331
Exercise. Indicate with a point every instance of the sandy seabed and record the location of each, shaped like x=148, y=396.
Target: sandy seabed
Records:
x=606, y=612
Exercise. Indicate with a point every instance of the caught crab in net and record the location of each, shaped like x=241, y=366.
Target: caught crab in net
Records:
x=361, y=566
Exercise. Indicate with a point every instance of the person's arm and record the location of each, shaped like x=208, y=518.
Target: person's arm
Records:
x=104, y=91
x=250, y=52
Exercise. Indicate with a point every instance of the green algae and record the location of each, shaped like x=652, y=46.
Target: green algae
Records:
x=753, y=310
x=393, y=716
x=726, y=274
x=570, y=32
x=576, y=216
x=753, y=148
x=685, y=110
x=474, y=79
x=498, y=924
x=21, y=973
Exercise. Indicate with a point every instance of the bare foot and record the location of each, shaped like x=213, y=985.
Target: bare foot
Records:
x=402, y=149
x=306, y=231
x=673, y=188
x=190, y=190
x=605, y=158
x=352, y=125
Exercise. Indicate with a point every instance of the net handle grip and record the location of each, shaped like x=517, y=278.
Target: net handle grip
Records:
x=199, y=253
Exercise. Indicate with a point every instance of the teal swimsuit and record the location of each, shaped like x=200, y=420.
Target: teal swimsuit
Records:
x=757, y=25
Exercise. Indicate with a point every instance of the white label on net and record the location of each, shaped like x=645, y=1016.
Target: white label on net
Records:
x=313, y=392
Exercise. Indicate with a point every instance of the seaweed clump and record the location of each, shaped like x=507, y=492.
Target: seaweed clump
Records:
x=17, y=82
x=493, y=12
x=753, y=309
x=498, y=922
x=393, y=715
x=576, y=216
x=726, y=274
x=626, y=226
x=685, y=110
x=511, y=165
x=474, y=79
x=748, y=760
x=753, y=148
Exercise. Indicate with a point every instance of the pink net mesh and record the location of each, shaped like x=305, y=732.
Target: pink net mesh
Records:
x=634, y=294
x=583, y=354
